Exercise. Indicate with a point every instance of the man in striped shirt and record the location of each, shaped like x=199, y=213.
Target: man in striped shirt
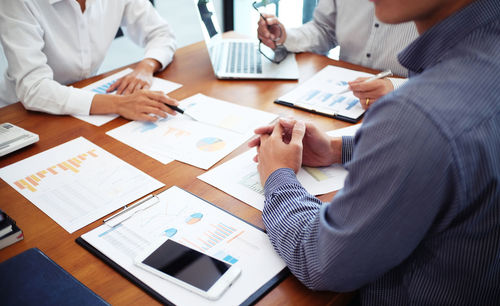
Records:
x=418, y=220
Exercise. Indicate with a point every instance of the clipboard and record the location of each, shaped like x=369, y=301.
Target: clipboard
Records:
x=326, y=113
x=326, y=93
x=251, y=299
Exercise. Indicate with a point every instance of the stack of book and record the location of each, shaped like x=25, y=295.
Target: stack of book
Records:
x=9, y=232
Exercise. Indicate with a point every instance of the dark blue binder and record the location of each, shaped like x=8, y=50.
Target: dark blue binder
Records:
x=32, y=278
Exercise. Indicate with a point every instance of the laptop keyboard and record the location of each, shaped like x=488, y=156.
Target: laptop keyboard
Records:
x=244, y=57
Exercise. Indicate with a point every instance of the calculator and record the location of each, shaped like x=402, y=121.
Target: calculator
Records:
x=13, y=137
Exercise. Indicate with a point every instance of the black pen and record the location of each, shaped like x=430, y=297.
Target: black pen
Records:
x=175, y=108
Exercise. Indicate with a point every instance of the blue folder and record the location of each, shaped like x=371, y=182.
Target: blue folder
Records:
x=32, y=278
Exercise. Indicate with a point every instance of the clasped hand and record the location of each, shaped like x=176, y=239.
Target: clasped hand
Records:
x=290, y=144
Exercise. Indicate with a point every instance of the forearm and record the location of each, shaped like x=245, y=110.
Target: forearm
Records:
x=317, y=35
x=290, y=217
x=148, y=29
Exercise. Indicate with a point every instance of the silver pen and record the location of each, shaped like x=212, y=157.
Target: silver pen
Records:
x=381, y=75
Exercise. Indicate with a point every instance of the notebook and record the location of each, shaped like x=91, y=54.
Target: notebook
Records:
x=32, y=278
x=239, y=58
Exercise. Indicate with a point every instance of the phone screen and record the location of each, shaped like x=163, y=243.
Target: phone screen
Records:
x=186, y=264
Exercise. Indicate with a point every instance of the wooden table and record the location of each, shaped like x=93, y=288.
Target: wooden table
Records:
x=191, y=68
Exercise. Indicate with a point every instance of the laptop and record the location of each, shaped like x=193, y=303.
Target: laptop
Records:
x=239, y=58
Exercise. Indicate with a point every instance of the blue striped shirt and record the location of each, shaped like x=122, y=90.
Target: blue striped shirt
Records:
x=418, y=220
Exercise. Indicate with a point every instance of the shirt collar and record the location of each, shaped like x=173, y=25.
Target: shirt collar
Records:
x=88, y=2
x=428, y=49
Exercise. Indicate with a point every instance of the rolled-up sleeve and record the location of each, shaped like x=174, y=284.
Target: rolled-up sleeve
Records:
x=318, y=35
x=147, y=28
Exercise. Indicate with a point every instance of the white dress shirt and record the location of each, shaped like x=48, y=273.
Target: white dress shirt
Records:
x=352, y=24
x=51, y=43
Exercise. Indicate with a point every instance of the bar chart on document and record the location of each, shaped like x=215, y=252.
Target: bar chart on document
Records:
x=77, y=182
x=189, y=220
x=219, y=128
x=201, y=227
x=100, y=87
x=320, y=92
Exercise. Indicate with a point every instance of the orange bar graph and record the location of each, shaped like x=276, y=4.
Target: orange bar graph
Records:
x=71, y=164
x=42, y=173
x=25, y=184
x=31, y=181
x=71, y=161
x=19, y=185
x=91, y=152
x=67, y=165
x=51, y=170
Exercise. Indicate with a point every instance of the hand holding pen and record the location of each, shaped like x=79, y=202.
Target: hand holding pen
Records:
x=368, y=90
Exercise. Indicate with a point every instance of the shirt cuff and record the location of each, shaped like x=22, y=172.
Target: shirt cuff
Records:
x=292, y=42
x=278, y=178
x=162, y=56
x=347, y=148
x=79, y=102
x=397, y=83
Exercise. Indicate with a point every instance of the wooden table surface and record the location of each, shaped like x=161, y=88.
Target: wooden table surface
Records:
x=192, y=69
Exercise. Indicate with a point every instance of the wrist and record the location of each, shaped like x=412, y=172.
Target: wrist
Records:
x=149, y=65
x=104, y=104
x=336, y=150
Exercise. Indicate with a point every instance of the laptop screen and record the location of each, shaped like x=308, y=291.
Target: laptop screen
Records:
x=209, y=24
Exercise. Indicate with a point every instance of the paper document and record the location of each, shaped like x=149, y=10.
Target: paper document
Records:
x=197, y=224
x=194, y=142
x=347, y=131
x=239, y=176
x=101, y=86
x=320, y=94
x=226, y=115
x=77, y=182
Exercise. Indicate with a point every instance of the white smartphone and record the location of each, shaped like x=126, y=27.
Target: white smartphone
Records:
x=189, y=268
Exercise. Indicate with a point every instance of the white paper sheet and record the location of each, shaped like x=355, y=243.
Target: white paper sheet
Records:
x=101, y=86
x=226, y=115
x=193, y=142
x=77, y=182
x=189, y=220
x=320, y=93
x=239, y=176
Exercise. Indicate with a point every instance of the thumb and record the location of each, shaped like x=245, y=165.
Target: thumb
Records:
x=299, y=129
x=278, y=130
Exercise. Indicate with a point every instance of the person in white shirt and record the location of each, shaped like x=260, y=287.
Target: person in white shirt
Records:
x=363, y=40
x=52, y=43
